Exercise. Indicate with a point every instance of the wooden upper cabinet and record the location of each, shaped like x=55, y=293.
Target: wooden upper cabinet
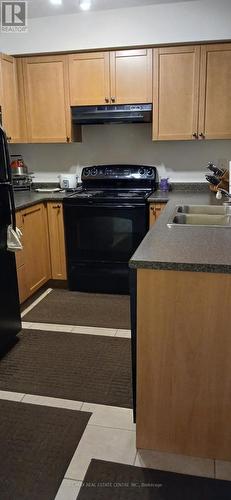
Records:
x=215, y=92
x=89, y=78
x=46, y=99
x=122, y=77
x=176, y=92
x=9, y=99
x=131, y=76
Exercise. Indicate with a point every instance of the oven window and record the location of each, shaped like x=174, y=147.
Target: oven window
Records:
x=112, y=234
x=105, y=234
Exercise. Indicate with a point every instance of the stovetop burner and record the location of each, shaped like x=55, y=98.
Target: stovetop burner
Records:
x=131, y=194
x=112, y=194
x=87, y=194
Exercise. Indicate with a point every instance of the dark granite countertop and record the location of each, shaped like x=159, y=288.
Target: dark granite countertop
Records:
x=24, y=199
x=198, y=249
x=205, y=249
x=178, y=189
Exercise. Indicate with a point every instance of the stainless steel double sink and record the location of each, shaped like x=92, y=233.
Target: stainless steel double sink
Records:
x=201, y=215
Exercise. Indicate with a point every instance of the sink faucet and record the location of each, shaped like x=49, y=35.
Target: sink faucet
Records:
x=220, y=192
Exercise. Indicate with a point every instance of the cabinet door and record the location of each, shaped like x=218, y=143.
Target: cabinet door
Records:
x=131, y=76
x=56, y=238
x=9, y=100
x=46, y=98
x=22, y=284
x=36, y=249
x=215, y=92
x=176, y=93
x=155, y=210
x=89, y=78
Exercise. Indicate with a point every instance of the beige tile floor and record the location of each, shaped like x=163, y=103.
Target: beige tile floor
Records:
x=88, y=330
x=110, y=433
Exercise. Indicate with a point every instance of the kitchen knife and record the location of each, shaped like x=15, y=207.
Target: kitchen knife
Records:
x=217, y=171
x=212, y=179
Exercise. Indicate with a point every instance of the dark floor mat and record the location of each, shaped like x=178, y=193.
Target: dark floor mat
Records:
x=37, y=445
x=108, y=480
x=91, y=368
x=85, y=309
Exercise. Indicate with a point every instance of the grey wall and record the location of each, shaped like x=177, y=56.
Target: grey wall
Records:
x=180, y=160
x=197, y=20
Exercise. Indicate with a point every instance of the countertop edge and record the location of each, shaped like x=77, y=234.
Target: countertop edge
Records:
x=40, y=199
x=175, y=266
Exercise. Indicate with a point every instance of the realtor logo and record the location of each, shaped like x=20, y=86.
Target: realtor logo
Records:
x=13, y=17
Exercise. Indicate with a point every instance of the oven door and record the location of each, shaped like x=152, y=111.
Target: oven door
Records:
x=100, y=239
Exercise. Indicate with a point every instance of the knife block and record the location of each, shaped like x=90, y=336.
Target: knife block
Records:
x=223, y=184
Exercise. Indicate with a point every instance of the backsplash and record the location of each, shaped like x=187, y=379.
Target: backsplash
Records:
x=181, y=161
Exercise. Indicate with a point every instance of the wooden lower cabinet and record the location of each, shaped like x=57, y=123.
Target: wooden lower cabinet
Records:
x=155, y=210
x=36, y=246
x=183, y=363
x=33, y=264
x=56, y=239
x=20, y=264
x=43, y=254
x=22, y=284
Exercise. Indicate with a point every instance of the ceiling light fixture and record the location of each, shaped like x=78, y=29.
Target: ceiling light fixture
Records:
x=85, y=4
x=56, y=2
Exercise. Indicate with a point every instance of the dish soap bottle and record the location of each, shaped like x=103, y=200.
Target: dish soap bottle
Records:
x=164, y=184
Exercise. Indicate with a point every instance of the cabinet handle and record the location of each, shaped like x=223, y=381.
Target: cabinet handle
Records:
x=195, y=135
x=9, y=138
x=201, y=135
x=113, y=99
x=56, y=206
x=68, y=138
x=106, y=99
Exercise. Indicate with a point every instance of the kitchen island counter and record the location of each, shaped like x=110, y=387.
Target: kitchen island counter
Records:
x=198, y=249
x=181, y=347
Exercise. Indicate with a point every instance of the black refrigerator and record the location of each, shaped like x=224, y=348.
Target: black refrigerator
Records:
x=10, y=318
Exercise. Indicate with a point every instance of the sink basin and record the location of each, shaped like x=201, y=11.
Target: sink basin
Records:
x=201, y=215
x=202, y=209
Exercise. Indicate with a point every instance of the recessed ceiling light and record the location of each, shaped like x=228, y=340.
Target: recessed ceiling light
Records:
x=85, y=4
x=56, y=2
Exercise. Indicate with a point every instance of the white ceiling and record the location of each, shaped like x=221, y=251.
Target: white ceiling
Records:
x=43, y=8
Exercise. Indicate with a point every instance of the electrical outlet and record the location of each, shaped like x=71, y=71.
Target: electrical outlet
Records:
x=223, y=163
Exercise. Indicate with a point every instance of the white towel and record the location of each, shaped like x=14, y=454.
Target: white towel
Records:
x=14, y=243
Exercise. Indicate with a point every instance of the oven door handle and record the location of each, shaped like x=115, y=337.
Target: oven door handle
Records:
x=107, y=205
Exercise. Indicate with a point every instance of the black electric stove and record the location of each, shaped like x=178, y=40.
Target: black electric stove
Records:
x=105, y=221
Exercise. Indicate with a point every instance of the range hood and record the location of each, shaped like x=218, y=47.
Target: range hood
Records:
x=119, y=113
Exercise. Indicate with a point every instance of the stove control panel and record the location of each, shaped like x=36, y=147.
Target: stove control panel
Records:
x=110, y=172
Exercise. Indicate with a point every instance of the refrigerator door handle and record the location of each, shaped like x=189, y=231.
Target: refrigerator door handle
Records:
x=12, y=206
x=7, y=158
